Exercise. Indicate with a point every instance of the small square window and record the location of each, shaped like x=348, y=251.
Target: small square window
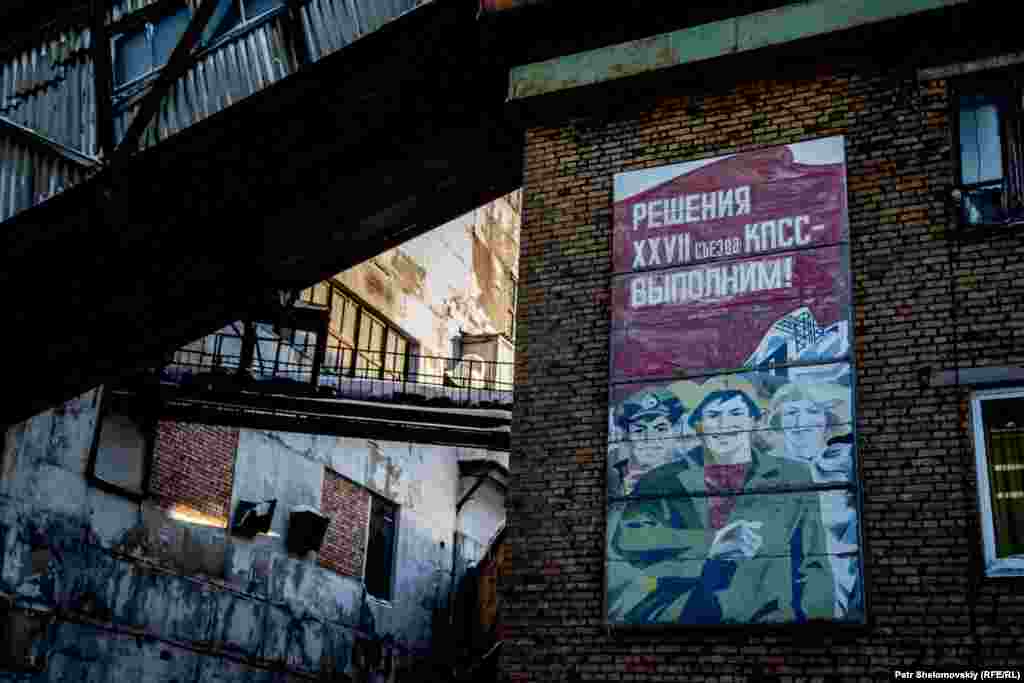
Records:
x=998, y=421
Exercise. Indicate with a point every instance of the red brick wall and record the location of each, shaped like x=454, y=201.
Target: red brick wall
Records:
x=348, y=506
x=928, y=604
x=193, y=465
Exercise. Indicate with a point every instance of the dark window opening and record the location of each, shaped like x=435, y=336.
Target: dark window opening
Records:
x=121, y=448
x=380, y=548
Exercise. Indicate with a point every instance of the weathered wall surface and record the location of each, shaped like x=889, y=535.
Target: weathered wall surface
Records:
x=927, y=605
x=453, y=278
x=100, y=588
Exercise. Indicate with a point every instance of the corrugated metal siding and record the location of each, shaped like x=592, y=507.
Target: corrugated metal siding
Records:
x=332, y=24
x=28, y=175
x=50, y=88
x=233, y=71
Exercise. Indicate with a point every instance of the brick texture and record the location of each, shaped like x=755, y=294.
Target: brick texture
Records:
x=193, y=465
x=348, y=506
x=922, y=303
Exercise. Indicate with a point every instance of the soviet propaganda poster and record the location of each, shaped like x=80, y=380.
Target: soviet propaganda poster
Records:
x=732, y=465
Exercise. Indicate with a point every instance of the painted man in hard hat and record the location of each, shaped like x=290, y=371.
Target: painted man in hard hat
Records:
x=736, y=557
x=649, y=423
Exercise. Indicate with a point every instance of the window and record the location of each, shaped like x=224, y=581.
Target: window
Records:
x=998, y=420
x=121, y=447
x=360, y=537
x=232, y=14
x=360, y=343
x=513, y=292
x=142, y=51
x=380, y=548
x=991, y=168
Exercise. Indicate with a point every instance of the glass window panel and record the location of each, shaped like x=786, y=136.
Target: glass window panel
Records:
x=133, y=57
x=380, y=548
x=168, y=33
x=981, y=156
x=320, y=294
x=348, y=325
x=225, y=17
x=365, y=332
x=376, y=335
x=1004, y=433
x=338, y=310
x=254, y=8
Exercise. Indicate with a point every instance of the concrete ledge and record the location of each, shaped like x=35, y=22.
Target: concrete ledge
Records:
x=972, y=376
x=973, y=66
x=707, y=41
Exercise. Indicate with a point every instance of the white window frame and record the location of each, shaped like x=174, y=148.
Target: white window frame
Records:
x=994, y=566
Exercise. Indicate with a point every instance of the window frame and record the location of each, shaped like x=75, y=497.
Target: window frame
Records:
x=1008, y=84
x=364, y=313
x=135, y=24
x=110, y=403
x=391, y=561
x=125, y=94
x=994, y=566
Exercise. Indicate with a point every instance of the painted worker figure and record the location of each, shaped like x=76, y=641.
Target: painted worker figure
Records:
x=807, y=416
x=650, y=424
x=738, y=557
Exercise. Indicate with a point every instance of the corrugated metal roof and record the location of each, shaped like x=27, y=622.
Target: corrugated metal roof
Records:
x=50, y=88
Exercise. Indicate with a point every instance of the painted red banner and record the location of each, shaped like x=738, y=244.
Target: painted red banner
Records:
x=758, y=203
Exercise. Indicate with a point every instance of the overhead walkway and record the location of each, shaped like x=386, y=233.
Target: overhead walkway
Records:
x=356, y=152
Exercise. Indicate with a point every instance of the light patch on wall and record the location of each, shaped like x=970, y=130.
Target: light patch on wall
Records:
x=185, y=513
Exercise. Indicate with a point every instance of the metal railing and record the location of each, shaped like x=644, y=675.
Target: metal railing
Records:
x=362, y=374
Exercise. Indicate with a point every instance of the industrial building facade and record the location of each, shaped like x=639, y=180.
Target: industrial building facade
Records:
x=619, y=566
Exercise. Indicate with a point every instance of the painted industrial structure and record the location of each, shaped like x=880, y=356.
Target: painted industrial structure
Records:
x=122, y=555
x=98, y=586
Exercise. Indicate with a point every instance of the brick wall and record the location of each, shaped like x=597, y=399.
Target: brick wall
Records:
x=926, y=603
x=193, y=466
x=348, y=506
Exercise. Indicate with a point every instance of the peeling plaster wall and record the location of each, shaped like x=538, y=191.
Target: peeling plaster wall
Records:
x=101, y=588
x=450, y=279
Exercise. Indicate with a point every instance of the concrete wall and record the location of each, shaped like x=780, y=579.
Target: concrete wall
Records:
x=928, y=603
x=450, y=279
x=96, y=587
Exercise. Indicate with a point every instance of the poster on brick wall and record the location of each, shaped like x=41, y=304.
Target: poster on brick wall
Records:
x=732, y=476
